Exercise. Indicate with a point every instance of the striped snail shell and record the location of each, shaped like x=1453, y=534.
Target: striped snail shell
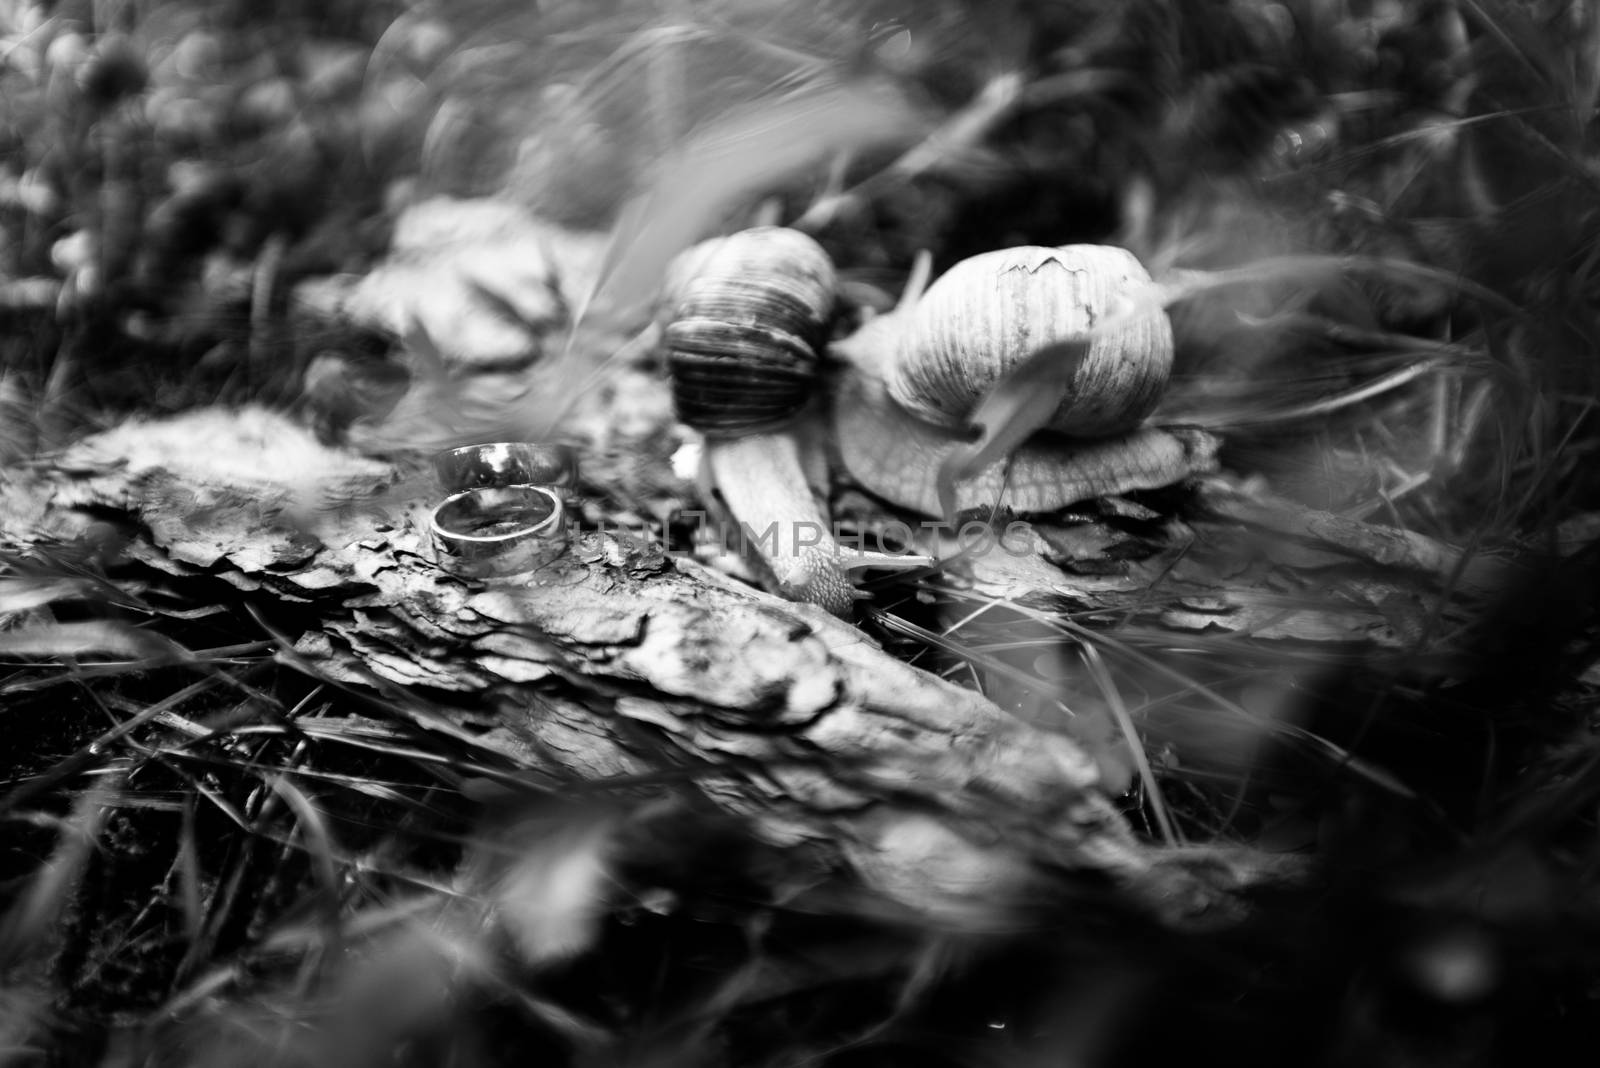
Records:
x=748, y=313
x=987, y=314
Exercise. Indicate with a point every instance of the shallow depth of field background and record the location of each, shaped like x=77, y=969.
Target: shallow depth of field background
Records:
x=171, y=170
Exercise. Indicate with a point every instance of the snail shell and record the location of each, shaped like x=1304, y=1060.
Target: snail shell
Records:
x=990, y=312
x=906, y=383
x=748, y=314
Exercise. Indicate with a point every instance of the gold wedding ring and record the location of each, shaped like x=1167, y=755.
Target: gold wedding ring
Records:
x=498, y=530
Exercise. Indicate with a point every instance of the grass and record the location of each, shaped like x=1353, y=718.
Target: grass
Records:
x=215, y=855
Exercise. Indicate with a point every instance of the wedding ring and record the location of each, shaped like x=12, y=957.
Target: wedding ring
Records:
x=506, y=463
x=498, y=530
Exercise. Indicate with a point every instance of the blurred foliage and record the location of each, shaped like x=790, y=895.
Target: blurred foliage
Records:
x=177, y=167
x=170, y=169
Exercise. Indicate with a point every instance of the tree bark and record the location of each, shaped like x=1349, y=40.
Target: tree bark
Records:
x=619, y=660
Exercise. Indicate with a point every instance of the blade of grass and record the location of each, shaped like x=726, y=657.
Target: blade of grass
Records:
x=96, y=751
x=1130, y=734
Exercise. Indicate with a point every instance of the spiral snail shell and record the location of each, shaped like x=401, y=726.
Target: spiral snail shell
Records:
x=987, y=314
x=748, y=314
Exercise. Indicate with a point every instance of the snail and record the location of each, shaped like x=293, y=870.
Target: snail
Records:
x=912, y=380
x=750, y=311
x=747, y=314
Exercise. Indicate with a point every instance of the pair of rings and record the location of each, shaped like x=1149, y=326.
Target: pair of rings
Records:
x=504, y=514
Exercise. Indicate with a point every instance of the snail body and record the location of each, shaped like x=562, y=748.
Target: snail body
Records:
x=897, y=456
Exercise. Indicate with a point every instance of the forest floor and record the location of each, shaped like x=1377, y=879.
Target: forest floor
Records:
x=381, y=228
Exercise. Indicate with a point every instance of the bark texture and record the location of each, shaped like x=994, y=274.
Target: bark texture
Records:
x=620, y=660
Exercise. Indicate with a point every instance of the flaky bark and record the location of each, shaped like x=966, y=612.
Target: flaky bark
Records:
x=619, y=660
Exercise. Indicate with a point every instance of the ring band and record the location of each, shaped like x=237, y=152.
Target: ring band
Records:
x=498, y=530
x=506, y=463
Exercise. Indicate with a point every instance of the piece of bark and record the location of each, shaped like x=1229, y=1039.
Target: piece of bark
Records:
x=621, y=661
x=616, y=660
